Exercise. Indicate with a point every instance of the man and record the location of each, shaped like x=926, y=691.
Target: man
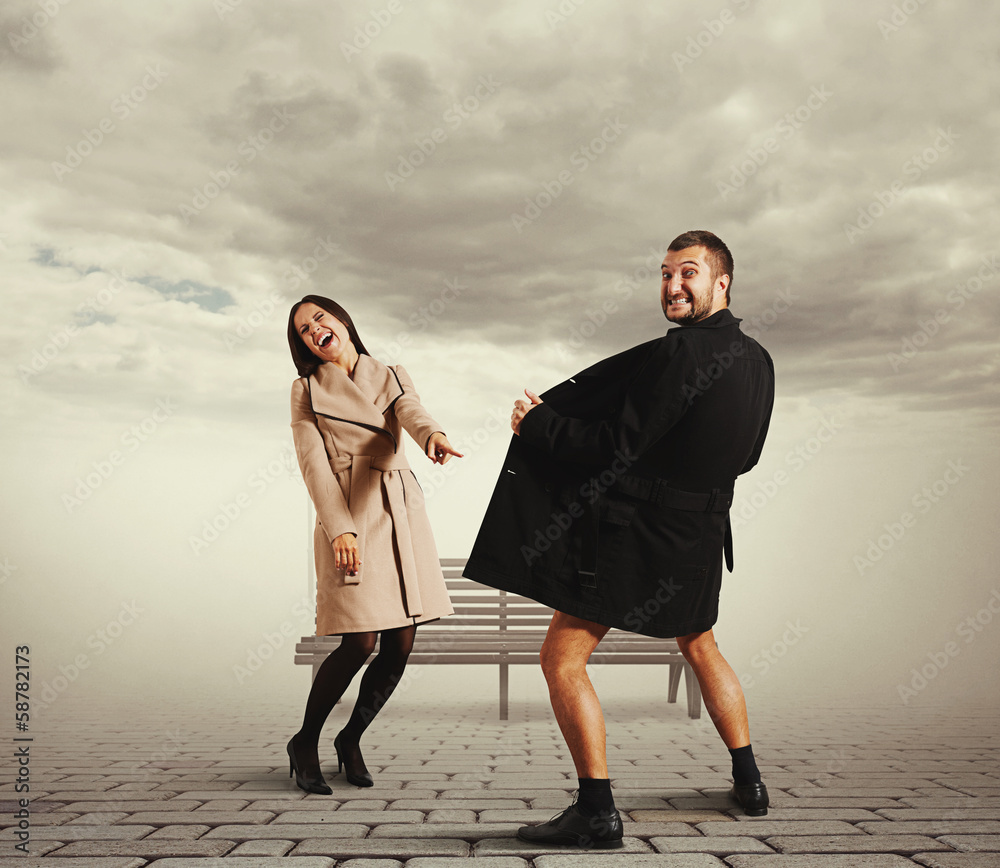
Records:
x=613, y=509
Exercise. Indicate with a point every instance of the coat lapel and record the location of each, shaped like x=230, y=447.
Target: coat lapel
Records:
x=376, y=382
x=362, y=400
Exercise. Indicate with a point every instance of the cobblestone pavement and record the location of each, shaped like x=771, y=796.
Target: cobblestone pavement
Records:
x=118, y=784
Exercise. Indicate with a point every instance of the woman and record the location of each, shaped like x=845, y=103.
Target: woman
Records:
x=377, y=570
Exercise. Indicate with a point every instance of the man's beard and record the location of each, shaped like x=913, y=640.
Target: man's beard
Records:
x=699, y=309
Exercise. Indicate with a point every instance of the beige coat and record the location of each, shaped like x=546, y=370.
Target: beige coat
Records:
x=348, y=439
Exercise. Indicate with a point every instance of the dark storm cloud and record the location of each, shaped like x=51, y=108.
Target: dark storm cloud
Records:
x=546, y=160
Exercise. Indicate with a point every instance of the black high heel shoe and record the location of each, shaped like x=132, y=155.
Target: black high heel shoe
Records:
x=313, y=783
x=359, y=776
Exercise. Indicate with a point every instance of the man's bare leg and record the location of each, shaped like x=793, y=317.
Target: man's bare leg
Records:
x=720, y=688
x=726, y=705
x=568, y=645
x=591, y=821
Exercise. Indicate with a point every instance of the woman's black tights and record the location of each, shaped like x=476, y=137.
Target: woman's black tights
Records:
x=337, y=672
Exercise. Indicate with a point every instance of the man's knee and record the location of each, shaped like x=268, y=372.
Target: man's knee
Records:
x=697, y=646
x=556, y=664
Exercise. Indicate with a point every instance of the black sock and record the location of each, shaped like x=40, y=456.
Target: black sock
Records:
x=595, y=796
x=744, y=767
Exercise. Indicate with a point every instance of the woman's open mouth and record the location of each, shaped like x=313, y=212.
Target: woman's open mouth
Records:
x=324, y=341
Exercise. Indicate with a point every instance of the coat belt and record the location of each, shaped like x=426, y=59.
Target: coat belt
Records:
x=655, y=490
x=367, y=474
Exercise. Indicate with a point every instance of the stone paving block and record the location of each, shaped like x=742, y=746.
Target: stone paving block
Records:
x=851, y=792
x=89, y=833
x=642, y=860
x=206, y=817
x=933, y=827
x=104, y=796
x=139, y=787
x=704, y=803
x=764, y=827
x=395, y=848
x=473, y=803
x=859, y=843
x=935, y=813
x=715, y=846
x=466, y=862
x=951, y=801
x=649, y=830
x=958, y=860
x=849, y=815
x=522, y=816
x=967, y=780
x=973, y=843
x=68, y=787
x=676, y=816
x=248, y=862
x=98, y=818
x=873, y=804
x=263, y=848
x=445, y=787
x=815, y=860
x=206, y=789
x=364, y=805
x=315, y=802
x=372, y=863
x=288, y=831
x=874, y=782
x=368, y=818
x=137, y=805
x=186, y=833
x=146, y=849
x=508, y=846
x=104, y=862
x=451, y=815
x=463, y=831
x=55, y=818
x=223, y=805
x=37, y=849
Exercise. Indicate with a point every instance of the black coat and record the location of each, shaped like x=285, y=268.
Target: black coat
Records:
x=612, y=504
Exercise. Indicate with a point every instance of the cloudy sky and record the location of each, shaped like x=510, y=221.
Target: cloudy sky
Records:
x=489, y=189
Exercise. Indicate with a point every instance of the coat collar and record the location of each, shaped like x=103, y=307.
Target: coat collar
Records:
x=363, y=399
x=717, y=320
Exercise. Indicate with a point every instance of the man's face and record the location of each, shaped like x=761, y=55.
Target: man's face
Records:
x=687, y=291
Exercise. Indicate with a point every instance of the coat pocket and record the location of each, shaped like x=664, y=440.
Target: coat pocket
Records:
x=617, y=513
x=614, y=518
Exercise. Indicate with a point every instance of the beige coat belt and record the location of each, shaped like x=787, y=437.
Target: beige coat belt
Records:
x=366, y=475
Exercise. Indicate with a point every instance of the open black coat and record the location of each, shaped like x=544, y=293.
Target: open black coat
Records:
x=612, y=504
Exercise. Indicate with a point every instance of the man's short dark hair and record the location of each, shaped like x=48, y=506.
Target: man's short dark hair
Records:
x=720, y=260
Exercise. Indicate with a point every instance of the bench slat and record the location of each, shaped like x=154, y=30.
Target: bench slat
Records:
x=492, y=627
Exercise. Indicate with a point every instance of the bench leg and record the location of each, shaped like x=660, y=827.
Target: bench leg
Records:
x=675, y=680
x=503, y=690
x=693, y=692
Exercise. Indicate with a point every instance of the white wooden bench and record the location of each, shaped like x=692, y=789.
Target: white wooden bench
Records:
x=496, y=627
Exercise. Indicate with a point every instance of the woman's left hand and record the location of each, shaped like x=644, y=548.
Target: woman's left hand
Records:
x=439, y=449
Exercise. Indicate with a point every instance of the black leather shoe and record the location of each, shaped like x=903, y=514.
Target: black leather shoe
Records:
x=357, y=771
x=308, y=779
x=602, y=832
x=752, y=798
